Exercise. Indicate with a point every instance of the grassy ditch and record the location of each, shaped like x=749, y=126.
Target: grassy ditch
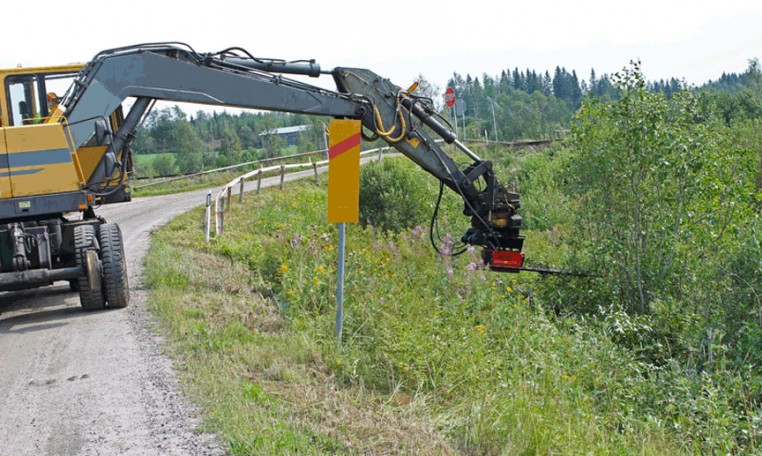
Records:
x=439, y=356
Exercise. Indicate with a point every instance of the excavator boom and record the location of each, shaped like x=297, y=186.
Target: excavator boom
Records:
x=234, y=77
x=78, y=156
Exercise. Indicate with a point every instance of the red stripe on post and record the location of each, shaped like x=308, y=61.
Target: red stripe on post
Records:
x=338, y=149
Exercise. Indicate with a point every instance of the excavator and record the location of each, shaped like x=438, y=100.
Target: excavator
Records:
x=62, y=157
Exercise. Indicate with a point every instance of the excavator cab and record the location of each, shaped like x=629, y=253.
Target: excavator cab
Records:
x=37, y=156
x=27, y=94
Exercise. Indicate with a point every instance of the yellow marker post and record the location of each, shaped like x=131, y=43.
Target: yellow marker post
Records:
x=344, y=171
x=343, y=193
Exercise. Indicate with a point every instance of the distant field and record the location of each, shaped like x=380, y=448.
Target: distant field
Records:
x=142, y=161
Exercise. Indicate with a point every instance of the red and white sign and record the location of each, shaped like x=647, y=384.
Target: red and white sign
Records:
x=450, y=97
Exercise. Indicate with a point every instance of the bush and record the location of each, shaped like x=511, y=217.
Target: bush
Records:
x=394, y=195
x=144, y=168
x=658, y=192
x=165, y=165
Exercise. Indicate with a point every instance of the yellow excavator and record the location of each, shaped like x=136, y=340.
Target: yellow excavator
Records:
x=65, y=150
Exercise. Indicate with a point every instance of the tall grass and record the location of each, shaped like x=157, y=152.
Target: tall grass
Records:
x=439, y=356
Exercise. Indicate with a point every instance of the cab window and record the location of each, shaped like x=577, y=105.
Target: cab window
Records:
x=23, y=95
x=32, y=97
x=56, y=85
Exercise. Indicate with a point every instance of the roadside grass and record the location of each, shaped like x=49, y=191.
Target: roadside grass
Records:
x=438, y=356
x=262, y=381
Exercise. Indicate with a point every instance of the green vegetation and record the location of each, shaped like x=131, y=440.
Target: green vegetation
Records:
x=393, y=199
x=658, y=194
x=445, y=357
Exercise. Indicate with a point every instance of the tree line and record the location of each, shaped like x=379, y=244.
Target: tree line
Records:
x=207, y=140
x=531, y=105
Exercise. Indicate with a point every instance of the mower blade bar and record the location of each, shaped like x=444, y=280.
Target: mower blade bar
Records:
x=543, y=271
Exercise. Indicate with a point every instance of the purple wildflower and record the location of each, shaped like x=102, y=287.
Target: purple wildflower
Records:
x=445, y=249
x=418, y=232
x=394, y=249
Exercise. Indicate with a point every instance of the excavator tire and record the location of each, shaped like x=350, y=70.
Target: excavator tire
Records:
x=117, y=289
x=84, y=240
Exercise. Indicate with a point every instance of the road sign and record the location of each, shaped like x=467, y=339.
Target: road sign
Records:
x=343, y=194
x=344, y=171
x=450, y=97
x=460, y=108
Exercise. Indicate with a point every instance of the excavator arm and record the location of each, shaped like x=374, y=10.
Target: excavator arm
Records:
x=234, y=77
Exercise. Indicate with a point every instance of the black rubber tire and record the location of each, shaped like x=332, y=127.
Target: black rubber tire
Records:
x=84, y=240
x=115, y=284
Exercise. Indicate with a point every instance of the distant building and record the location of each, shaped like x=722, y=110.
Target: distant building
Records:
x=288, y=134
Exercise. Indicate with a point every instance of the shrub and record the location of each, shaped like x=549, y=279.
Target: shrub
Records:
x=165, y=165
x=394, y=196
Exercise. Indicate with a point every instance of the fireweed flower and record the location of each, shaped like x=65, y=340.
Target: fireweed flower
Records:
x=394, y=249
x=418, y=232
x=445, y=249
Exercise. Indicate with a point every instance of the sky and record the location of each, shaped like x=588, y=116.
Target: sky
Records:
x=694, y=40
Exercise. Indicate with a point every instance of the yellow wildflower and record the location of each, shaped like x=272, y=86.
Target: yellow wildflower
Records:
x=481, y=329
x=283, y=268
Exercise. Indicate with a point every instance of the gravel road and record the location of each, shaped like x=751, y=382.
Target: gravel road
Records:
x=97, y=383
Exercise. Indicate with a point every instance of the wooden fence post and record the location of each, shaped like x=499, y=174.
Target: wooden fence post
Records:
x=314, y=168
x=259, y=181
x=282, y=177
x=230, y=194
x=221, y=215
x=240, y=192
